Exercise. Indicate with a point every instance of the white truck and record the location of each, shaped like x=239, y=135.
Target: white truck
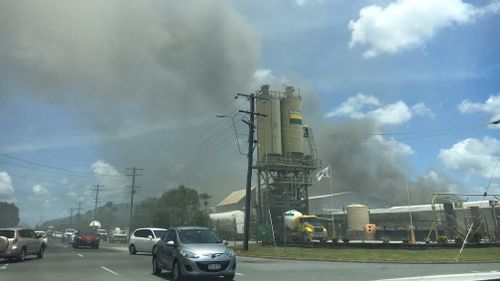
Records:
x=118, y=235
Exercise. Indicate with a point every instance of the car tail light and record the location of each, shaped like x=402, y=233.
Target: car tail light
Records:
x=15, y=241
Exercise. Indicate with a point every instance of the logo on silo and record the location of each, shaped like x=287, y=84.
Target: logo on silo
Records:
x=295, y=116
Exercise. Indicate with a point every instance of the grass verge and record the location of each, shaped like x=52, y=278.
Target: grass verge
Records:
x=376, y=255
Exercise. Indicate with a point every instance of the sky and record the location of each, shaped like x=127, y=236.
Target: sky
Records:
x=393, y=90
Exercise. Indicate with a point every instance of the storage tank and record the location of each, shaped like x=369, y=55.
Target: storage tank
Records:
x=268, y=127
x=357, y=217
x=290, y=218
x=229, y=222
x=291, y=125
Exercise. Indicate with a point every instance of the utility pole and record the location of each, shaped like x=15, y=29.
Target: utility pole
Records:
x=251, y=142
x=97, y=186
x=71, y=216
x=79, y=208
x=132, y=192
x=78, y=213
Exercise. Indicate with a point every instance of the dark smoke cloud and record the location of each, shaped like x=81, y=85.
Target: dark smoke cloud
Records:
x=373, y=165
x=126, y=62
x=139, y=73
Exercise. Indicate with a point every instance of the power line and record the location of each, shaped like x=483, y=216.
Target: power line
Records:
x=205, y=135
x=67, y=171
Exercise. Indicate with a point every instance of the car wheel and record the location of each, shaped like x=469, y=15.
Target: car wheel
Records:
x=176, y=271
x=97, y=246
x=132, y=249
x=22, y=255
x=156, y=267
x=75, y=245
x=41, y=252
x=229, y=277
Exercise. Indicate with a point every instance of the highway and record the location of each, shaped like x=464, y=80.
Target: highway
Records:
x=113, y=262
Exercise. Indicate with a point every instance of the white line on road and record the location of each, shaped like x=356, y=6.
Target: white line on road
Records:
x=239, y=274
x=109, y=270
x=80, y=255
x=4, y=267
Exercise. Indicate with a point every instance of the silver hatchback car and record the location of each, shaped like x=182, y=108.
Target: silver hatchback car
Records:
x=193, y=252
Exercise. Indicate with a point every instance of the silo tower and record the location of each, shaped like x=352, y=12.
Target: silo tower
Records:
x=283, y=165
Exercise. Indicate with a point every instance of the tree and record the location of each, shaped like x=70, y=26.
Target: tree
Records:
x=9, y=214
x=144, y=213
x=179, y=206
x=205, y=196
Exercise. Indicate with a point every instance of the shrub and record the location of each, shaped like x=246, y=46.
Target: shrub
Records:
x=459, y=239
x=385, y=239
x=406, y=241
x=442, y=239
x=335, y=239
x=475, y=237
x=345, y=239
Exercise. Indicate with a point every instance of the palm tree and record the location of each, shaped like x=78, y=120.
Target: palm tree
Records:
x=205, y=196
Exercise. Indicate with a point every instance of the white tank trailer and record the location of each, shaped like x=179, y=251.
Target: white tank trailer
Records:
x=229, y=223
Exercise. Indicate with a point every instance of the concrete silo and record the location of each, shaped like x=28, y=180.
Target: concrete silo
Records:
x=268, y=127
x=292, y=131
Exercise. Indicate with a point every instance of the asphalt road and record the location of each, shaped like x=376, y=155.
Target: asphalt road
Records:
x=112, y=262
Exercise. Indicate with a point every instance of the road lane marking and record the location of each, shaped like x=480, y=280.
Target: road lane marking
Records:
x=239, y=274
x=109, y=270
x=4, y=267
x=80, y=255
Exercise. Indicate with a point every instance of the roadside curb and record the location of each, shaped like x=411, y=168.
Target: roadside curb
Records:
x=361, y=261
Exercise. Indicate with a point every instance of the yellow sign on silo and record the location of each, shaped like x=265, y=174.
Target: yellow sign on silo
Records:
x=295, y=116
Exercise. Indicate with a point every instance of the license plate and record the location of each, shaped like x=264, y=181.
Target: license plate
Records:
x=214, y=266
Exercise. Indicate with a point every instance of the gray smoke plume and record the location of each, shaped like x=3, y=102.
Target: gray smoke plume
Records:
x=139, y=74
x=126, y=63
x=373, y=165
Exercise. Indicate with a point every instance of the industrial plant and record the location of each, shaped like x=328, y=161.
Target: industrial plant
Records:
x=286, y=164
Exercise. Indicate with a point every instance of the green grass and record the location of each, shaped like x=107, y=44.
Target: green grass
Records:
x=374, y=255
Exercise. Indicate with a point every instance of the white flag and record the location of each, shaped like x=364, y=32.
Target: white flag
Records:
x=323, y=173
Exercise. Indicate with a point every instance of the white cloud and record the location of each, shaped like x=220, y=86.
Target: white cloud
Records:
x=407, y=24
x=422, y=110
x=42, y=197
x=6, y=188
x=473, y=156
x=302, y=3
x=39, y=190
x=107, y=175
x=353, y=105
x=390, y=114
x=394, y=148
x=265, y=76
x=490, y=106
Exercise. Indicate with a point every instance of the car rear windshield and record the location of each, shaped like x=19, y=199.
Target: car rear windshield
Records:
x=7, y=233
x=192, y=236
x=159, y=233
